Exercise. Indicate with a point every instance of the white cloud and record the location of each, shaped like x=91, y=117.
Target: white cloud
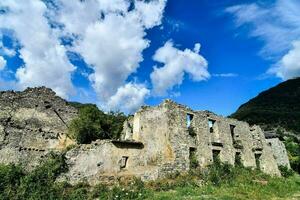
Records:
x=225, y=75
x=45, y=59
x=112, y=45
x=289, y=66
x=77, y=16
x=113, y=55
x=110, y=35
x=128, y=98
x=278, y=25
x=2, y=63
x=150, y=13
x=6, y=51
x=176, y=64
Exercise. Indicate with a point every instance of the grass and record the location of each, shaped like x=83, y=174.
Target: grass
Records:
x=220, y=181
x=229, y=183
x=276, y=188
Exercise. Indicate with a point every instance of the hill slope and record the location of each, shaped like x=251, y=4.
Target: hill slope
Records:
x=278, y=106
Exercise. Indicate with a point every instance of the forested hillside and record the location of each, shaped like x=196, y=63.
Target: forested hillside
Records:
x=278, y=106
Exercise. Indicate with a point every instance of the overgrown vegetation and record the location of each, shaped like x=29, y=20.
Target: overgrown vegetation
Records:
x=219, y=181
x=285, y=171
x=93, y=124
x=293, y=148
x=15, y=183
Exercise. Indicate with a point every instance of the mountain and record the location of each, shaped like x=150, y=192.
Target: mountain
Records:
x=276, y=107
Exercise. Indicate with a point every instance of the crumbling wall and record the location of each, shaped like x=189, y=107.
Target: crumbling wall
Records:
x=243, y=140
x=106, y=161
x=267, y=161
x=156, y=140
x=279, y=152
x=32, y=123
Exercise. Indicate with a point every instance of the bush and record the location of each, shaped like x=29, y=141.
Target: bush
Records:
x=220, y=173
x=87, y=127
x=293, y=147
x=38, y=184
x=285, y=171
x=93, y=124
x=10, y=176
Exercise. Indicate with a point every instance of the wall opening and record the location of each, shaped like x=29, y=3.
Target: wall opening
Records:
x=238, y=159
x=211, y=125
x=189, y=118
x=257, y=160
x=193, y=158
x=123, y=162
x=216, y=156
x=232, y=127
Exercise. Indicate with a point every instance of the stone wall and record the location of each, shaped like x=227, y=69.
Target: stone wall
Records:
x=32, y=123
x=166, y=138
x=155, y=141
x=279, y=151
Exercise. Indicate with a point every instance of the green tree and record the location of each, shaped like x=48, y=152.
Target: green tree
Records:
x=93, y=124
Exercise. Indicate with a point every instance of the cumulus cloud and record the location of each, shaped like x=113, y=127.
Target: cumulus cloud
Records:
x=151, y=12
x=110, y=36
x=44, y=57
x=289, y=66
x=2, y=63
x=113, y=55
x=128, y=97
x=111, y=43
x=175, y=64
x=278, y=25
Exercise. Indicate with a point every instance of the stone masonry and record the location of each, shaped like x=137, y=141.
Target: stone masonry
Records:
x=278, y=148
x=168, y=138
x=32, y=123
x=156, y=141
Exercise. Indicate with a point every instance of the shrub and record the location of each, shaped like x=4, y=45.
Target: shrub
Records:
x=10, y=176
x=285, y=171
x=38, y=184
x=87, y=127
x=93, y=124
x=220, y=173
x=293, y=147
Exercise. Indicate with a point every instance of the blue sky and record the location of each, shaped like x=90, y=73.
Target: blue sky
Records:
x=120, y=54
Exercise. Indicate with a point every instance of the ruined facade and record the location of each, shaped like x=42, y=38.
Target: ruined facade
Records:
x=171, y=138
x=156, y=140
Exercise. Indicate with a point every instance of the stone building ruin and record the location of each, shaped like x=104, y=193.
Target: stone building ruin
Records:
x=278, y=149
x=33, y=123
x=156, y=141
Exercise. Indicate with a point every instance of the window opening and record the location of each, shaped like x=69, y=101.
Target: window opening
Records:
x=123, y=163
x=238, y=159
x=211, y=124
x=257, y=160
x=216, y=156
x=189, y=118
x=232, y=127
x=193, y=158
